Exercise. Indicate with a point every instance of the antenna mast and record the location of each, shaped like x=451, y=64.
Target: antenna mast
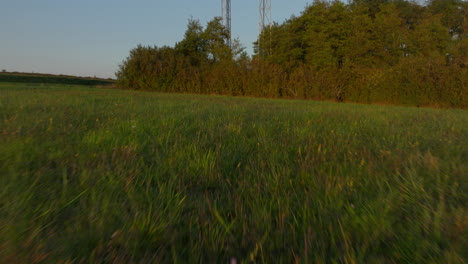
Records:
x=226, y=15
x=264, y=21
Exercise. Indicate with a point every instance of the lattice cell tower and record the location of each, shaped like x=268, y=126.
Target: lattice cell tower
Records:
x=265, y=21
x=226, y=15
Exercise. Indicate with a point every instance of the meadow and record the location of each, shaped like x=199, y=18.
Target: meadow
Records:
x=95, y=175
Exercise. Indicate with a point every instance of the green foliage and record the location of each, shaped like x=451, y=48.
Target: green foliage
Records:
x=193, y=46
x=215, y=36
x=150, y=68
x=360, y=52
x=111, y=176
x=452, y=12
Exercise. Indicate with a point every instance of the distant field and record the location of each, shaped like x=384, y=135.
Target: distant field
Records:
x=16, y=77
x=99, y=175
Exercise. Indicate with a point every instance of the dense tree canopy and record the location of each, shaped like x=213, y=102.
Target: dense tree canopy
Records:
x=391, y=51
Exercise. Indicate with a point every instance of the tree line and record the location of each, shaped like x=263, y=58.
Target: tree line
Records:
x=370, y=51
x=41, y=78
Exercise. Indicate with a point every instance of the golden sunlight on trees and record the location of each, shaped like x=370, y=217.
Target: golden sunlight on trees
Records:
x=387, y=51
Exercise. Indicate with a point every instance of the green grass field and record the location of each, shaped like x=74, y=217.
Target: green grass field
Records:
x=91, y=175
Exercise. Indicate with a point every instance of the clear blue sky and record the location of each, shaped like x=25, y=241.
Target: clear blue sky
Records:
x=92, y=37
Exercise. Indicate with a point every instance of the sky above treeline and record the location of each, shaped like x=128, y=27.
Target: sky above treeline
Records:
x=92, y=37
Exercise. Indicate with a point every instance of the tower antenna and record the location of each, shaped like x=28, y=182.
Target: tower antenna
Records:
x=265, y=22
x=226, y=15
